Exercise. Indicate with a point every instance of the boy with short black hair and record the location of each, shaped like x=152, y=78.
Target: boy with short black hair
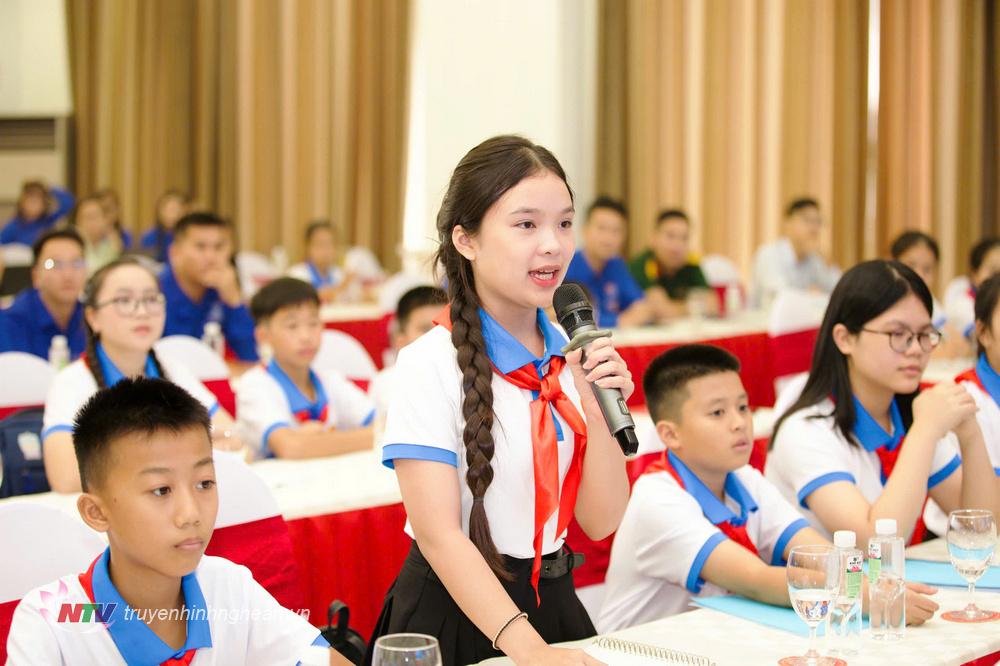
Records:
x=286, y=408
x=145, y=458
x=701, y=521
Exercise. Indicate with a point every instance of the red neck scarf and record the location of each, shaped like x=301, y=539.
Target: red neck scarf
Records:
x=737, y=534
x=545, y=447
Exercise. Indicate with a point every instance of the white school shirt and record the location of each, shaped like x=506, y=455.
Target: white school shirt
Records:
x=308, y=273
x=75, y=384
x=988, y=415
x=266, y=400
x=380, y=389
x=809, y=453
x=668, y=533
x=776, y=267
x=231, y=619
x=960, y=305
x=425, y=423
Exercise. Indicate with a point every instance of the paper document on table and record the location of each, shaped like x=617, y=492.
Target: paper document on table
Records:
x=629, y=653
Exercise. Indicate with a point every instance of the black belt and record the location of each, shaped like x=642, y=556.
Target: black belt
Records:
x=560, y=565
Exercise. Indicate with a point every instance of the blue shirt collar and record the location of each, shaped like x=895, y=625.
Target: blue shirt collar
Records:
x=296, y=400
x=112, y=375
x=134, y=639
x=171, y=288
x=508, y=354
x=989, y=377
x=870, y=434
x=319, y=279
x=715, y=510
x=44, y=317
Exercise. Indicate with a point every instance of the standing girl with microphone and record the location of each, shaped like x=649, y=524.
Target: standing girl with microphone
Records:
x=488, y=426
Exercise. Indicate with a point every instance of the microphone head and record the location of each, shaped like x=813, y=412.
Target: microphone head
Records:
x=572, y=307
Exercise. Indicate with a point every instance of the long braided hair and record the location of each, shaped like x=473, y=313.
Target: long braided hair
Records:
x=480, y=179
x=91, y=297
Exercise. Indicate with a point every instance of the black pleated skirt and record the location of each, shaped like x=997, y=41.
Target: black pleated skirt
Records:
x=418, y=602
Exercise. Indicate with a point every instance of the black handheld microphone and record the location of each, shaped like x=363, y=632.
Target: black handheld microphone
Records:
x=576, y=315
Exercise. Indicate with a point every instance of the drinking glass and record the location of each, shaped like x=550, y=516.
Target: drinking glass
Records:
x=972, y=536
x=813, y=574
x=406, y=650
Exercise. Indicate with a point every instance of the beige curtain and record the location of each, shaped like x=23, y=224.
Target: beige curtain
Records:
x=729, y=109
x=271, y=112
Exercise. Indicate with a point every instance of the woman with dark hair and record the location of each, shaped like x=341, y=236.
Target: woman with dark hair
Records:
x=839, y=450
x=920, y=252
x=170, y=207
x=983, y=380
x=38, y=209
x=495, y=434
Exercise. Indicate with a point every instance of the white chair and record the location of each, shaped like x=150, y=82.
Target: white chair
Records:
x=340, y=352
x=26, y=379
x=793, y=311
x=363, y=263
x=16, y=254
x=51, y=544
x=592, y=598
x=255, y=270
x=194, y=355
x=788, y=389
x=395, y=286
x=243, y=495
x=720, y=270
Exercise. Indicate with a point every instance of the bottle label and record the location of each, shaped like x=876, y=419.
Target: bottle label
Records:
x=874, y=560
x=853, y=576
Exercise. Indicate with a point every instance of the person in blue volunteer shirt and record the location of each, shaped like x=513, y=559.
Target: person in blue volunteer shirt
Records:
x=170, y=207
x=38, y=209
x=51, y=306
x=201, y=285
x=599, y=266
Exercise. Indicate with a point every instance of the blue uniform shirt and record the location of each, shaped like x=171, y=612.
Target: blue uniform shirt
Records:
x=29, y=327
x=613, y=291
x=159, y=240
x=185, y=317
x=19, y=230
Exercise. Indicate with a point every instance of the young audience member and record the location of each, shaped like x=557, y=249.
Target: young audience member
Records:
x=487, y=572
x=52, y=306
x=145, y=462
x=665, y=271
x=839, y=451
x=201, y=285
x=102, y=244
x=960, y=297
x=38, y=209
x=320, y=266
x=286, y=408
x=794, y=260
x=920, y=252
x=124, y=317
x=170, y=207
x=701, y=521
x=113, y=210
x=598, y=266
x=983, y=380
x=414, y=316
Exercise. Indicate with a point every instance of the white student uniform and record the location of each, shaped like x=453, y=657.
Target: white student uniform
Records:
x=231, y=619
x=669, y=532
x=988, y=415
x=306, y=272
x=425, y=423
x=960, y=305
x=380, y=389
x=809, y=452
x=75, y=384
x=267, y=400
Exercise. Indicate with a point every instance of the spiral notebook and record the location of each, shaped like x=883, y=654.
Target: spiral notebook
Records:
x=629, y=653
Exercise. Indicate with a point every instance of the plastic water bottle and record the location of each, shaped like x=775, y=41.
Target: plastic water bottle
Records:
x=212, y=337
x=733, y=300
x=58, y=352
x=279, y=259
x=845, y=618
x=886, y=582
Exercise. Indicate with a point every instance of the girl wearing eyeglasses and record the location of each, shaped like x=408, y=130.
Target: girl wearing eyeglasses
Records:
x=863, y=442
x=124, y=316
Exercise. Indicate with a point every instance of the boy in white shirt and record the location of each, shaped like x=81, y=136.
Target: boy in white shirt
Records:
x=145, y=460
x=286, y=409
x=415, y=315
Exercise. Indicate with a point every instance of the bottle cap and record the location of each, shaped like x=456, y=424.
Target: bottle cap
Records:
x=59, y=341
x=845, y=539
x=885, y=527
x=213, y=328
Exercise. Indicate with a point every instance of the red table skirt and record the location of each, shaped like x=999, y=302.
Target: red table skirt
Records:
x=352, y=556
x=373, y=334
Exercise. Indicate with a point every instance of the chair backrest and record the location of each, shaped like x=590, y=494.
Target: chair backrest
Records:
x=720, y=270
x=22, y=470
x=788, y=389
x=342, y=353
x=250, y=530
x=394, y=287
x=33, y=376
x=255, y=270
x=795, y=310
x=362, y=262
x=193, y=354
x=49, y=544
x=16, y=254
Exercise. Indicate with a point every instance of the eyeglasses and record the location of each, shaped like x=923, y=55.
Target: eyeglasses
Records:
x=900, y=340
x=128, y=306
x=59, y=265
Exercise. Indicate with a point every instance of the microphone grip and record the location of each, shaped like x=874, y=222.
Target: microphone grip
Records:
x=619, y=420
